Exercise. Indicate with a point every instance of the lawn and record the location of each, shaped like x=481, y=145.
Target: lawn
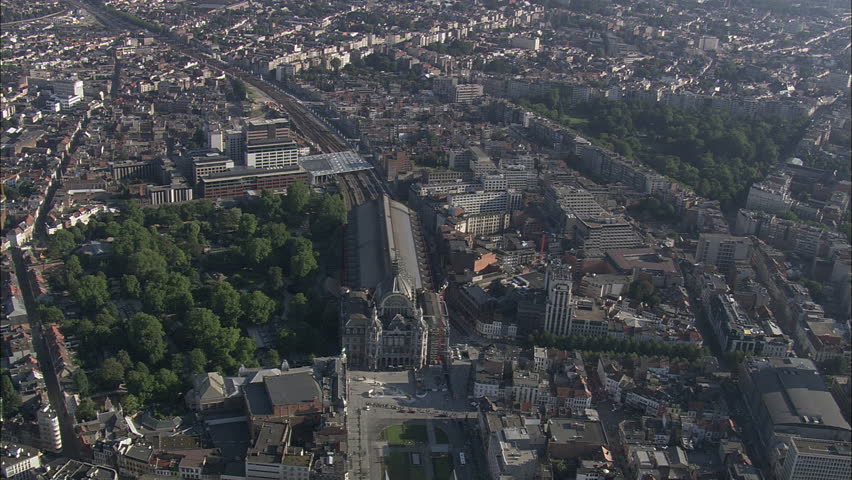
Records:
x=398, y=467
x=574, y=121
x=442, y=467
x=405, y=434
x=441, y=437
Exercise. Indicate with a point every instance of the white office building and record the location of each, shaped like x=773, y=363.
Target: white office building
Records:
x=484, y=202
x=606, y=233
x=770, y=195
x=272, y=153
x=68, y=88
x=19, y=461
x=67, y=102
x=800, y=458
x=494, y=182
x=722, y=250
x=519, y=177
x=216, y=139
x=466, y=93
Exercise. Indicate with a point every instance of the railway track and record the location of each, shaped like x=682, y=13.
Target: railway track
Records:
x=345, y=192
x=303, y=121
x=356, y=188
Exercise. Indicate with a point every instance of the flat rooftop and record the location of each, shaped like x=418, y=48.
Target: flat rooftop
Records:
x=268, y=446
x=584, y=313
x=266, y=122
x=810, y=446
x=563, y=430
x=297, y=460
x=641, y=258
x=242, y=171
x=270, y=141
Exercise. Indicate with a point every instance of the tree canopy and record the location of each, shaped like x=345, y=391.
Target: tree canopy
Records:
x=717, y=154
x=303, y=259
x=643, y=290
x=61, y=243
x=298, y=197
x=190, y=280
x=148, y=337
x=10, y=397
x=618, y=345
x=92, y=293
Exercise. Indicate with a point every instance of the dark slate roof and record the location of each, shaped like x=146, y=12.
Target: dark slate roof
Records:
x=795, y=394
x=152, y=423
x=292, y=388
x=258, y=400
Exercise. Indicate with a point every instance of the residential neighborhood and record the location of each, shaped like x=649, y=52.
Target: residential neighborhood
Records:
x=462, y=239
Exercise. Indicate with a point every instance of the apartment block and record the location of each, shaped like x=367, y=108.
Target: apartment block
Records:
x=722, y=250
x=466, y=93
x=770, y=195
x=519, y=177
x=48, y=429
x=606, y=233
x=566, y=203
x=172, y=193
x=68, y=88
x=486, y=202
x=235, y=146
x=735, y=331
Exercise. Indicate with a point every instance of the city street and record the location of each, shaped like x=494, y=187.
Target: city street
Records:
x=611, y=416
x=70, y=448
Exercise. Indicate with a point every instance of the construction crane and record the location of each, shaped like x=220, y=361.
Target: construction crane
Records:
x=540, y=258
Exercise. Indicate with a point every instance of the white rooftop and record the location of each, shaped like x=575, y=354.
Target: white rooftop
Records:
x=334, y=163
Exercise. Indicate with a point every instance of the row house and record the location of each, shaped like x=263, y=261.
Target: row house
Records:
x=22, y=233
x=60, y=357
x=646, y=399
x=81, y=215
x=613, y=379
